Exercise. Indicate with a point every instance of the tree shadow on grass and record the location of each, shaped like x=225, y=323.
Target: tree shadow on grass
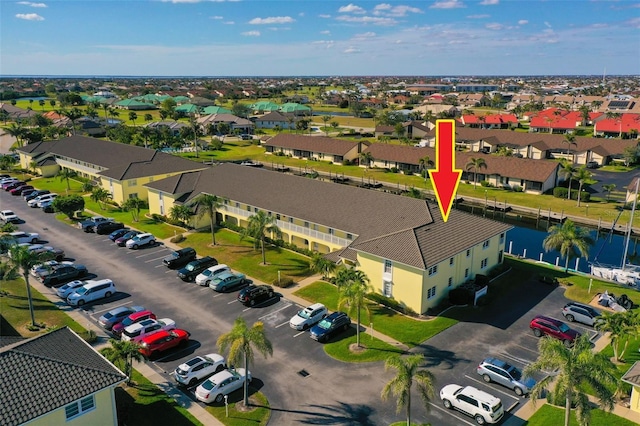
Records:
x=340, y=413
x=132, y=412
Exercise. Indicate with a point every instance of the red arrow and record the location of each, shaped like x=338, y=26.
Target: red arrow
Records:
x=445, y=177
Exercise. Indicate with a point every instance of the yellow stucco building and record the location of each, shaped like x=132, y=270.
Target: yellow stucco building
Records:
x=401, y=243
x=632, y=377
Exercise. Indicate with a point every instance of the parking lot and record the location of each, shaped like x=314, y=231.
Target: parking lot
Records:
x=332, y=392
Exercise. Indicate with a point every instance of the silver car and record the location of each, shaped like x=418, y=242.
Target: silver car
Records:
x=498, y=371
x=585, y=314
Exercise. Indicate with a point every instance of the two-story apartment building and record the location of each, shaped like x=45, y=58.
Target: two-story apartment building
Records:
x=119, y=168
x=401, y=243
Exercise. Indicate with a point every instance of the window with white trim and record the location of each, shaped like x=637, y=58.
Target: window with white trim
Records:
x=132, y=182
x=433, y=270
x=484, y=262
x=387, y=266
x=79, y=407
x=431, y=293
x=387, y=288
x=485, y=244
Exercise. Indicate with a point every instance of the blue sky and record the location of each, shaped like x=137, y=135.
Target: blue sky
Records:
x=319, y=37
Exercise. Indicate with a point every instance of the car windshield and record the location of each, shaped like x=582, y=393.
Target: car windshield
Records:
x=496, y=407
x=206, y=272
x=133, y=333
x=564, y=328
x=127, y=321
x=81, y=290
x=108, y=315
x=326, y=324
x=303, y=314
x=190, y=267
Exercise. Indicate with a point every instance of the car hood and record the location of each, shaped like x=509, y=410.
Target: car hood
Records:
x=297, y=320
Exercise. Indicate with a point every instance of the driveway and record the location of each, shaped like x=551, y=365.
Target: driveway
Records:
x=620, y=179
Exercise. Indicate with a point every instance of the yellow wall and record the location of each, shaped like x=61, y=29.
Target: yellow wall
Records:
x=102, y=415
x=168, y=201
x=48, y=171
x=634, y=404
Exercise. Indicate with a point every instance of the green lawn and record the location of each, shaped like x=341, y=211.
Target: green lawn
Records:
x=259, y=415
x=144, y=403
x=548, y=415
x=241, y=255
x=54, y=184
x=376, y=350
x=404, y=329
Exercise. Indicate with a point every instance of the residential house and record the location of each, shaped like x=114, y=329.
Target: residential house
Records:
x=473, y=100
x=274, y=119
x=401, y=243
x=57, y=379
x=632, y=377
x=134, y=105
x=120, y=169
x=489, y=121
x=626, y=126
x=319, y=148
x=295, y=109
x=173, y=127
x=235, y=123
x=17, y=114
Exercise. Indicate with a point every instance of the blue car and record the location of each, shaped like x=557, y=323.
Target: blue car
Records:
x=118, y=233
x=329, y=326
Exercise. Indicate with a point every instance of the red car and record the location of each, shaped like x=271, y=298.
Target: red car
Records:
x=132, y=319
x=19, y=189
x=13, y=185
x=161, y=341
x=542, y=326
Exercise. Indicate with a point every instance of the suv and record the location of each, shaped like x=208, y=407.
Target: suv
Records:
x=25, y=237
x=36, y=193
x=255, y=293
x=483, y=407
x=138, y=331
x=495, y=370
x=152, y=345
x=308, y=316
x=329, y=326
x=199, y=368
x=179, y=257
x=92, y=290
x=105, y=228
x=193, y=268
x=36, y=202
x=585, y=314
x=140, y=240
x=542, y=325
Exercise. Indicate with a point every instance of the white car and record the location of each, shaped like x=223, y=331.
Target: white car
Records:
x=70, y=287
x=483, y=407
x=221, y=384
x=140, y=240
x=25, y=237
x=37, y=202
x=309, y=316
x=40, y=267
x=198, y=368
x=136, y=332
x=208, y=275
x=8, y=216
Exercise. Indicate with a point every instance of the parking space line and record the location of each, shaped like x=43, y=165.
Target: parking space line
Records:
x=153, y=260
x=529, y=349
x=274, y=312
x=110, y=308
x=233, y=301
x=493, y=388
x=297, y=334
x=515, y=358
x=149, y=254
x=174, y=353
x=218, y=295
x=280, y=325
x=451, y=413
x=246, y=309
x=158, y=266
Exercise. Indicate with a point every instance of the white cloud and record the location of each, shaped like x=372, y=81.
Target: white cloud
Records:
x=494, y=26
x=351, y=49
x=229, y=22
x=217, y=17
x=397, y=11
x=523, y=22
x=327, y=43
x=251, y=33
x=323, y=16
x=196, y=1
x=30, y=17
x=634, y=22
x=28, y=3
x=325, y=32
x=382, y=6
x=548, y=25
x=484, y=16
x=272, y=20
x=351, y=8
x=301, y=14
x=367, y=20
x=489, y=2
x=447, y=4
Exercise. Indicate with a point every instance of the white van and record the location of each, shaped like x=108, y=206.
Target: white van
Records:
x=209, y=274
x=90, y=291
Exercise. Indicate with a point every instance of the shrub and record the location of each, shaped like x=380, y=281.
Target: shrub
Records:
x=460, y=296
x=485, y=183
x=279, y=154
x=393, y=170
x=283, y=282
x=584, y=196
x=517, y=188
x=8, y=227
x=177, y=239
x=560, y=192
x=89, y=336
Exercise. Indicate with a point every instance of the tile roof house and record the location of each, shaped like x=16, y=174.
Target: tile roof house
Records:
x=632, y=377
x=489, y=121
x=235, y=123
x=276, y=118
x=401, y=243
x=55, y=378
x=119, y=168
x=626, y=125
x=315, y=147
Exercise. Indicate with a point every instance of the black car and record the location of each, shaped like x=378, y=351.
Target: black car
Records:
x=63, y=273
x=193, y=268
x=118, y=233
x=34, y=194
x=327, y=327
x=122, y=240
x=179, y=257
x=105, y=228
x=255, y=293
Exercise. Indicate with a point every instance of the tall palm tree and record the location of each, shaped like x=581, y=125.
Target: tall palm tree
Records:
x=123, y=352
x=100, y=195
x=134, y=205
x=17, y=131
x=609, y=188
x=569, y=139
x=582, y=175
x=72, y=114
x=366, y=158
x=180, y=213
x=133, y=117
x=353, y=286
x=259, y=225
x=146, y=132
x=409, y=371
x=208, y=205
x=326, y=119
x=620, y=326
x=568, y=239
x=321, y=265
x=23, y=259
x=240, y=342
x=65, y=174
x=424, y=163
x=575, y=369
x=475, y=164
x=568, y=171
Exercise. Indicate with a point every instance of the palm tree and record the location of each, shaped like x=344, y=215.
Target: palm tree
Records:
x=366, y=158
x=146, y=132
x=208, y=205
x=33, y=166
x=326, y=119
x=7, y=162
x=259, y=225
x=568, y=239
x=619, y=325
x=148, y=117
x=582, y=175
x=576, y=368
x=609, y=188
x=41, y=103
x=408, y=371
x=123, y=352
x=180, y=213
x=475, y=164
x=100, y=195
x=240, y=342
x=321, y=265
x=424, y=163
x=23, y=259
x=568, y=171
x=17, y=131
x=399, y=130
x=133, y=117
x=134, y=205
x=569, y=139
x=73, y=114
x=65, y=174
x=353, y=286
x=615, y=116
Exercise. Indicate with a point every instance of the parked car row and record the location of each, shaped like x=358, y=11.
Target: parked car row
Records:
x=121, y=235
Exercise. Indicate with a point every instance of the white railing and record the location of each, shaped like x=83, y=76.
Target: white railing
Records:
x=286, y=226
x=75, y=166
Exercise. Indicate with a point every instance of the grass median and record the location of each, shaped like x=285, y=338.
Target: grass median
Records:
x=258, y=413
x=550, y=415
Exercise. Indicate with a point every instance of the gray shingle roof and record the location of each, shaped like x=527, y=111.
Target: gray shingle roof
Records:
x=321, y=144
x=373, y=217
x=48, y=372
